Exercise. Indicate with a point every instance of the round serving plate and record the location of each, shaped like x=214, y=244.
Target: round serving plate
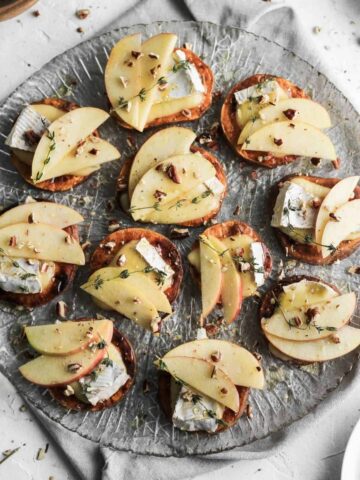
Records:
x=137, y=424
x=351, y=463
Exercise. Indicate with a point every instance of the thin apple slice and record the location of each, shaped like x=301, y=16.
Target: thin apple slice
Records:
x=211, y=276
x=335, y=231
x=152, y=69
x=57, y=371
x=137, y=281
x=291, y=138
x=50, y=213
x=315, y=189
x=337, y=196
x=238, y=363
x=62, y=136
x=231, y=293
x=95, y=152
x=42, y=242
x=84, y=172
x=48, y=111
x=175, y=105
x=67, y=338
x=205, y=378
x=193, y=169
x=123, y=78
x=123, y=298
x=160, y=146
x=305, y=293
x=303, y=109
x=344, y=341
x=326, y=317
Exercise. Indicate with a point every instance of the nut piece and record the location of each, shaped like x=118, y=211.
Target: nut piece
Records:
x=61, y=309
x=13, y=241
x=173, y=173
x=83, y=13
x=289, y=113
x=136, y=54
x=120, y=262
x=311, y=314
x=278, y=141
x=69, y=391
x=335, y=338
x=74, y=367
x=354, y=270
x=159, y=195
x=249, y=411
x=179, y=233
x=216, y=356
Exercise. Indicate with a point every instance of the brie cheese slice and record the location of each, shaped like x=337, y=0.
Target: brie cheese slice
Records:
x=153, y=257
x=269, y=89
x=215, y=185
x=104, y=381
x=257, y=257
x=20, y=275
x=293, y=207
x=194, y=412
x=28, y=120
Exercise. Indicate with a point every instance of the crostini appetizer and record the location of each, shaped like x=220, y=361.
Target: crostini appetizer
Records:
x=306, y=320
x=230, y=262
x=137, y=273
x=39, y=252
x=170, y=182
x=85, y=364
x=317, y=219
x=270, y=121
x=55, y=145
x=153, y=83
x=204, y=384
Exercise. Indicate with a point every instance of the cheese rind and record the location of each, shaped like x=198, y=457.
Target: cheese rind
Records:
x=270, y=87
x=153, y=257
x=28, y=119
x=215, y=185
x=191, y=412
x=293, y=208
x=20, y=275
x=257, y=254
x=190, y=72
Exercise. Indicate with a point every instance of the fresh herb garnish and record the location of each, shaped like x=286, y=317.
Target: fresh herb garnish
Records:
x=201, y=197
x=52, y=146
x=155, y=206
x=182, y=65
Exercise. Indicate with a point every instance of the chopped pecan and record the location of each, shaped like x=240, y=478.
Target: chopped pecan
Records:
x=159, y=195
x=74, y=367
x=135, y=54
x=179, y=233
x=83, y=13
x=172, y=173
x=289, y=113
x=31, y=137
x=278, y=141
x=311, y=314
x=315, y=161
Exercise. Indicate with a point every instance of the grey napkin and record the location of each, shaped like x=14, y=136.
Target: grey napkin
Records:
x=278, y=21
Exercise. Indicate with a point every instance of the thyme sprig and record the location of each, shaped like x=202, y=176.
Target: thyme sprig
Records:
x=205, y=242
x=198, y=198
x=99, y=281
x=126, y=104
x=52, y=146
x=155, y=206
x=8, y=453
x=195, y=397
x=181, y=65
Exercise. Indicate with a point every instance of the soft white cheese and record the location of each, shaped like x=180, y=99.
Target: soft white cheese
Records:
x=104, y=382
x=293, y=207
x=191, y=412
x=257, y=259
x=28, y=119
x=153, y=257
x=20, y=275
x=270, y=88
x=184, y=81
x=201, y=333
x=215, y=185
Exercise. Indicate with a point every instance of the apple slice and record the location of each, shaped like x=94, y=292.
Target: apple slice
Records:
x=95, y=152
x=160, y=146
x=238, y=363
x=303, y=109
x=51, y=213
x=337, y=196
x=347, y=222
x=123, y=298
x=281, y=138
x=175, y=105
x=211, y=275
x=343, y=342
x=152, y=69
x=315, y=189
x=67, y=338
x=331, y=315
x=193, y=170
x=123, y=79
x=305, y=293
x=205, y=378
x=231, y=293
x=42, y=242
x=48, y=111
x=84, y=172
x=56, y=371
x=63, y=135
x=137, y=281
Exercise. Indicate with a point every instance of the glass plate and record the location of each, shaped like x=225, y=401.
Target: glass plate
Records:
x=138, y=424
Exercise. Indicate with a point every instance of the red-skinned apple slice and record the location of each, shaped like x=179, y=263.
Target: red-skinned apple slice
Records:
x=57, y=371
x=68, y=338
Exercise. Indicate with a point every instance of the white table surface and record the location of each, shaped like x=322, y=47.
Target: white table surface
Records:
x=28, y=42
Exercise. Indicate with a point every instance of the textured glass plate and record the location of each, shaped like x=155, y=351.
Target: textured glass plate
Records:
x=137, y=424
